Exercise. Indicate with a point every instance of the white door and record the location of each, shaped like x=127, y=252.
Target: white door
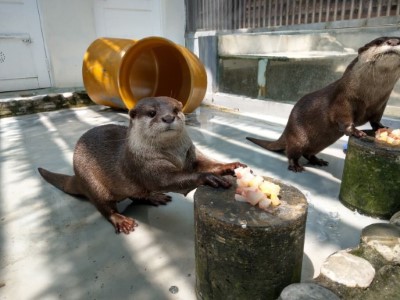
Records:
x=133, y=19
x=23, y=63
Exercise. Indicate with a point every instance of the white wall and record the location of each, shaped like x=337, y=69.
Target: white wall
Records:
x=174, y=20
x=69, y=28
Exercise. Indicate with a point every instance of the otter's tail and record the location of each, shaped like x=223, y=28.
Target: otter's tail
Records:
x=278, y=145
x=63, y=182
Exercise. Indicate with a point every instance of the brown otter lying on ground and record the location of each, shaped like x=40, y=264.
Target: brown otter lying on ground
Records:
x=320, y=118
x=152, y=156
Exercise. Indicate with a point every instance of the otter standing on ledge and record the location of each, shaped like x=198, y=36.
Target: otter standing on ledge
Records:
x=320, y=118
x=152, y=156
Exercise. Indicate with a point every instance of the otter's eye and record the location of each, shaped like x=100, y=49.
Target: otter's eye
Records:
x=176, y=111
x=151, y=113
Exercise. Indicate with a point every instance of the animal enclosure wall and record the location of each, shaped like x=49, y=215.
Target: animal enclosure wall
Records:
x=284, y=49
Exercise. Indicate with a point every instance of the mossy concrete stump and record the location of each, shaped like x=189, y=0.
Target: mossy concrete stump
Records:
x=243, y=252
x=371, y=175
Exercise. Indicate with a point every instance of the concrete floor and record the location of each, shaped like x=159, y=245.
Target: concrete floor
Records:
x=54, y=246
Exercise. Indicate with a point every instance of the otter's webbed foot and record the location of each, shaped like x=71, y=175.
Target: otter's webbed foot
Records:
x=295, y=166
x=214, y=180
x=316, y=161
x=358, y=133
x=122, y=223
x=351, y=130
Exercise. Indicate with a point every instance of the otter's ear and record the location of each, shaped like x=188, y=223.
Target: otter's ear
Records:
x=180, y=106
x=132, y=113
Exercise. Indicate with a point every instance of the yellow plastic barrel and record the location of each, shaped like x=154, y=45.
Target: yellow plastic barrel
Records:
x=120, y=72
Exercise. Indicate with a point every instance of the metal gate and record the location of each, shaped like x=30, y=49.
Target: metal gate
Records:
x=221, y=15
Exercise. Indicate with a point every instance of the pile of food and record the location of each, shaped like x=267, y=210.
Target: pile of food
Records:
x=388, y=135
x=255, y=190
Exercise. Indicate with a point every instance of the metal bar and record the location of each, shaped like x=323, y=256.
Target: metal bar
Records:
x=369, y=10
x=225, y=14
x=320, y=11
x=359, y=9
x=306, y=13
x=378, y=13
x=198, y=14
x=343, y=10
x=201, y=13
x=211, y=14
x=299, y=18
x=389, y=5
x=254, y=14
x=287, y=12
x=240, y=13
x=269, y=12
x=293, y=11
x=245, y=17
x=235, y=14
x=351, y=10
x=205, y=14
x=335, y=10
x=313, y=12
x=221, y=15
x=327, y=11
x=280, y=11
x=244, y=13
x=264, y=13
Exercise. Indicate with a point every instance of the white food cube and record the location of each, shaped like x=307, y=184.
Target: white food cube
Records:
x=253, y=195
x=240, y=198
x=256, y=181
x=264, y=203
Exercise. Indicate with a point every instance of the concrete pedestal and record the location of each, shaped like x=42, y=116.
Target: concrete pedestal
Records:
x=243, y=252
x=370, y=181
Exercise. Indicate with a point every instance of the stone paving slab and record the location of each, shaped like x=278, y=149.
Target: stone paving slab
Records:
x=76, y=250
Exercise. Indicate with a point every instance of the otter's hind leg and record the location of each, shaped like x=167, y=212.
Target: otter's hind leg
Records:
x=316, y=161
x=293, y=154
x=294, y=165
x=109, y=210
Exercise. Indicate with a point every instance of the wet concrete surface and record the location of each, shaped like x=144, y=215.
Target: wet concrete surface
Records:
x=55, y=246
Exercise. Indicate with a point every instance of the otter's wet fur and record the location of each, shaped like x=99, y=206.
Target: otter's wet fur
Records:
x=320, y=118
x=152, y=156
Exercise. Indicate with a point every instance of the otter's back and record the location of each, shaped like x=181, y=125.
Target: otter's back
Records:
x=99, y=147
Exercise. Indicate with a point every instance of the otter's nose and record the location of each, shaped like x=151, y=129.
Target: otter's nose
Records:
x=393, y=42
x=168, y=119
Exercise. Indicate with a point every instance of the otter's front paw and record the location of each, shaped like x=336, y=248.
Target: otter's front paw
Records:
x=214, y=180
x=358, y=133
x=229, y=169
x=122, y=223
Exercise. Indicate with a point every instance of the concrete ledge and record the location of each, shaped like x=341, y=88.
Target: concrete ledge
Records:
x=276, y=111
x=16, y=106
x=249, y=105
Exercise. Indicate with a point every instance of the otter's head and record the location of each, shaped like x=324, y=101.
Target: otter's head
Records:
x=383, y=50
x=157, y=119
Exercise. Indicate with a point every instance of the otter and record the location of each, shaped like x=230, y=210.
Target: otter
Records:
x=320, y=118
x=153, y=156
